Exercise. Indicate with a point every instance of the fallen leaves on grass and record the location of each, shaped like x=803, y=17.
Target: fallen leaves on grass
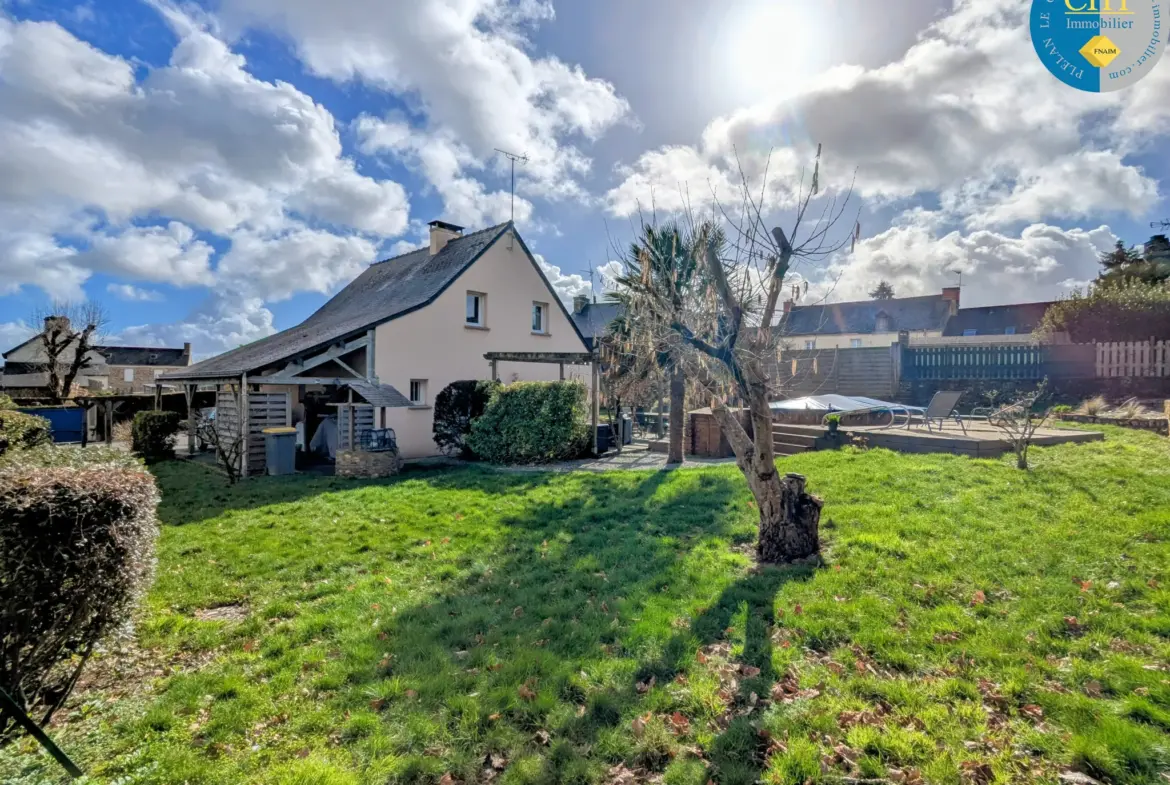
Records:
x=645, y=686
x=976, y=772
x=978, y=598
x=526, y=692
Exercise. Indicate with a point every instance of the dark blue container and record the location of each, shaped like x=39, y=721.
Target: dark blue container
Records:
x=67, y=422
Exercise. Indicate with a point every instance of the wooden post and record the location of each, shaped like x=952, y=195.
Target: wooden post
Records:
x=370, y=366
x=596, y=405
x=495, y=375
x=109, y=407
x=562, y=372
x=245, y=426
x=85, y=427
x=158, y=397
x=189, y=394
x=350, y=409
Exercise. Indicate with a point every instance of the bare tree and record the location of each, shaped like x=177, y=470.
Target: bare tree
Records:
x=725, y=338
x=1019, y=422
x=71, y=332
x=227, y=439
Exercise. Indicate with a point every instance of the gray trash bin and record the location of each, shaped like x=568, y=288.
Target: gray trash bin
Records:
x=627, y=429
x=280, y=450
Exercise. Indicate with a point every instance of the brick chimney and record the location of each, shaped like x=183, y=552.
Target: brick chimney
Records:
x=951, y=294
x=443, y=233
x=187, y=353
x=787, y=307
x=579, y=302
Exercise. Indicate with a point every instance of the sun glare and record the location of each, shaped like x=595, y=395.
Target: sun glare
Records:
x=773, y=48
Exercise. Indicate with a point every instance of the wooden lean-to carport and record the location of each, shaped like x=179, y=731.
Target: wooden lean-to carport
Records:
x=557, y=358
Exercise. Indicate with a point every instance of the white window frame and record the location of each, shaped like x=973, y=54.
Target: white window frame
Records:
x=128, y=375
x=542, y=308
x=809, y=345
x=855, y=343
x=481, y=310
x=418, y=392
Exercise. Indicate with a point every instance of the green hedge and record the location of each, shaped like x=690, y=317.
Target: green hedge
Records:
x=21, y=431
x=456, y=408
x=532, y=422
x=153, y=435
x=77, y=535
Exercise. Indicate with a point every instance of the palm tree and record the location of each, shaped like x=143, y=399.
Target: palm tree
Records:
x=662, y=274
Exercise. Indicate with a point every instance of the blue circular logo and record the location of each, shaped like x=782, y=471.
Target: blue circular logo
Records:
x=1098, y=45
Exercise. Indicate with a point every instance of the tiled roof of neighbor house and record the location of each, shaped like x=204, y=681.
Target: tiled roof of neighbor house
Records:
x=929, y=312
x=142, y=355
x=594, y=319
x=994, y=319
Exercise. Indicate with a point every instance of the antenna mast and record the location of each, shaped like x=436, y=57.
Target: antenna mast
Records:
x=513, y=157
x=1160, y=224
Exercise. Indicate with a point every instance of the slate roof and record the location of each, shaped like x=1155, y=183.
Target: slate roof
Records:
x=929, y=312
x=386, y=290
x=379, y=394
x=593, y=320
x=142, y=355
x=992, y=320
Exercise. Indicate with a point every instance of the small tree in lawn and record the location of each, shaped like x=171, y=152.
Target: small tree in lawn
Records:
x=720, y=328
x=227, y=440
x=71, y=331
x=1020, y=421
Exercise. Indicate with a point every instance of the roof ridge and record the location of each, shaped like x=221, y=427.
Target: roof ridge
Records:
x=454, y=240
x=867, y=302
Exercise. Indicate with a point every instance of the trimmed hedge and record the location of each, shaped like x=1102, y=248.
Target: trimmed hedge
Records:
x=153, y=435
x=532, y=422
x=20, y=431
x=77, y=535
x=456, y=408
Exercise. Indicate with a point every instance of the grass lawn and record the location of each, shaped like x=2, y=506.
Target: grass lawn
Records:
x=973, y=624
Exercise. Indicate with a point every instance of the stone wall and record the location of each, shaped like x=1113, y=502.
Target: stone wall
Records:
x=144, y=377
x=1156, y=424
x=356, y=463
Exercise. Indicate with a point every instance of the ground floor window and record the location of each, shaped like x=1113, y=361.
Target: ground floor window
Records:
x=418, y=392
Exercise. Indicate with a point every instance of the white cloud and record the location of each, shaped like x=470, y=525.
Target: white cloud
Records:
x=567, y=286
x=947, y=117
x=467, y=66
x=299, y=260
x=134, y=294
x=200, y=143
x=12, y=334
x=223, y=322
x=1040, y=263
x=443, y=161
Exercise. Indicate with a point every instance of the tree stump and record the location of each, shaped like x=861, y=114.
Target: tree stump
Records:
x=790, y=525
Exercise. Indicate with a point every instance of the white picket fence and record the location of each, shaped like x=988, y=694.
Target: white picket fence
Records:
x=1133, y=358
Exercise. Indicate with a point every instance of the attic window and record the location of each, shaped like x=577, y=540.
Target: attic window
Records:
x=882, y=324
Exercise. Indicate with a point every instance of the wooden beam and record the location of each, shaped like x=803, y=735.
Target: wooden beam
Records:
x=332, y=353
x=244, y=426
x=371, y=365
x=596, y=407
x=571, y=358
x=189, y=394
x=281, y=379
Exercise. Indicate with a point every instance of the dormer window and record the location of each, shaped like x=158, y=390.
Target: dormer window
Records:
x=882, y=323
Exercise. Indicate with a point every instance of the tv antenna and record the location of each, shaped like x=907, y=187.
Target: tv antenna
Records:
x=592, y=288
x=513, y=157
x=1160, y=224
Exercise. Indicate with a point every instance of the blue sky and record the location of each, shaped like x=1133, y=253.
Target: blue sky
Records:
x=213, y=172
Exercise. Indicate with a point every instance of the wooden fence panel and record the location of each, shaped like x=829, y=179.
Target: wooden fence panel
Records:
x=1133, y=358
x=363, y=421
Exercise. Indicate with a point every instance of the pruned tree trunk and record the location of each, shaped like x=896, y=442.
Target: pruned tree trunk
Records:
x=789, y=522
x=678, y=394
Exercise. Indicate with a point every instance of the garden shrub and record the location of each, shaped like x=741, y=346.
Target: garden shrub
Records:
x=6, y=402
x=77, y=534
x=456, y=407
x=20, y=431
x=153, y=435
x=532, y=422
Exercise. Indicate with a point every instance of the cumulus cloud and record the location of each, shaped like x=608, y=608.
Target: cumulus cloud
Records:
x=88, y=150
x=467, y=64
x=566, y=286
x=1042, y=262
x=134, y=294
x=442, y=161
x=12, y=334
x=947, y=117
x=224, y=321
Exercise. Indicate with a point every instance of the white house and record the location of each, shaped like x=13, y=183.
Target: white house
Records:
x=405, y=329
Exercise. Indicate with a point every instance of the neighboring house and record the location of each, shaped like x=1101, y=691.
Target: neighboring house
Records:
x=866, y=323
x=122, y=369
x=406, y=328
x=593, y=319
x=996, y=321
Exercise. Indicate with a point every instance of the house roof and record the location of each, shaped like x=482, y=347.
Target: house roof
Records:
x=992, y=320
x=142, y=355
x=594, y=319
x=929, y=312
x=385, y=291
x=379, y=394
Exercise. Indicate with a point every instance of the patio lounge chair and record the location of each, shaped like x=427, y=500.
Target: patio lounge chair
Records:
x=941, y=408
